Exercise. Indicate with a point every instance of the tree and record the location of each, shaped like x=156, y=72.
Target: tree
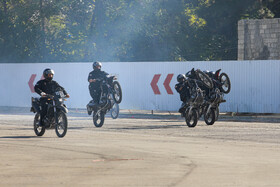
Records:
x=124, y=30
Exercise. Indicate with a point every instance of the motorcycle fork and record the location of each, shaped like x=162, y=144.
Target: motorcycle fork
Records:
x=189, y=109
x=208, y=108
x=55, y=113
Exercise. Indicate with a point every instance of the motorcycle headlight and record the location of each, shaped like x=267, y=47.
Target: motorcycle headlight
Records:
x=60, y=100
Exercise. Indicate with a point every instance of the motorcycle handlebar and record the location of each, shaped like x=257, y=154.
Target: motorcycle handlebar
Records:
x=49, y=96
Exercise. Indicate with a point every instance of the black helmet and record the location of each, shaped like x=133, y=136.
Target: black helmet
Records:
x=181, y=78
x=48, y=71
x=95, y=64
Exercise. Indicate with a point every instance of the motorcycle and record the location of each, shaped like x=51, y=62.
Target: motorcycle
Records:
x=111, y=96
x=201, y=104
x=56, y=114
x=214, y=94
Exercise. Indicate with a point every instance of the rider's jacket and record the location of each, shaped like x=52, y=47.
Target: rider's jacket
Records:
x=183, y=90
x=47, y=86
x=96, y=74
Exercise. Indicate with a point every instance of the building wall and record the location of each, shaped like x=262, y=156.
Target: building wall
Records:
x=259, y=39
x=255, y=84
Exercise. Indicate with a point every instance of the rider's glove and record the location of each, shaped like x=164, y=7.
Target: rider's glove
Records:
x=43, y=94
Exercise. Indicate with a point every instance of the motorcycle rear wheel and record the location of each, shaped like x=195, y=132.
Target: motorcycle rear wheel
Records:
x=62, y=124
x=98, y=118
x=226, y=85
x=205, y=79
x=115, y=110
x=117, y=92
x=210, y=117
x=192, y=118
x=39, y=130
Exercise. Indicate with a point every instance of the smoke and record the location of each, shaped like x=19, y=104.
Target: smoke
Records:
x=60, y=31
x=132, y=34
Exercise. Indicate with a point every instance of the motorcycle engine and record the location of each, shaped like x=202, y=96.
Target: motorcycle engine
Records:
x=46, y=121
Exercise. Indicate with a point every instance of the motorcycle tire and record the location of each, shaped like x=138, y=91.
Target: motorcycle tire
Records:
x=62, y=124
x=210, y=117
x=117, y=92
x=191, y=120
x=204, y=78
x=226, y=85
x=98, y=118
x=39, y=130
x=115, y=110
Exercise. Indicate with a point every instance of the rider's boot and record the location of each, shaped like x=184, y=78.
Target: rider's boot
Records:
x=89, y=110
x=182, y=109
x=91, y=106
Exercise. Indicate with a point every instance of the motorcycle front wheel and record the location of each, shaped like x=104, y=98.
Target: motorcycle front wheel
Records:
x=62, y=124
x=226, y=85
x=115, y=110
x=205, y=79
x=98, y=118
x=210, y=117
x=191, y=117
x=39, y=130
x=117, y=92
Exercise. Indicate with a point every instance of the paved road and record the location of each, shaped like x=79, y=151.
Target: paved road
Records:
x=140, y=149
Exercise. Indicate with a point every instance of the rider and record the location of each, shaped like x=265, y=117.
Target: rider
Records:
x=94, y=84
x=44, y=87
x=183, y=89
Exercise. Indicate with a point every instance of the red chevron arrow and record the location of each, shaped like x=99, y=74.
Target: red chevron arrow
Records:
x=30, y=82
x=167, y=82
x=154, y=84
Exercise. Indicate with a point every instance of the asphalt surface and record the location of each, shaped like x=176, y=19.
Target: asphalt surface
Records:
x=141, y=148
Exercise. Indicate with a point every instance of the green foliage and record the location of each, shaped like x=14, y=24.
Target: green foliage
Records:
x=124, y=30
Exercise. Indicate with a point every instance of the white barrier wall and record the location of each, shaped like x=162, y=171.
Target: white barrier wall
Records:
x=255, y=84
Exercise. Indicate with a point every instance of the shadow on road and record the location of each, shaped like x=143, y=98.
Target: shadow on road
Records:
x=149, y=127
x=15, y=137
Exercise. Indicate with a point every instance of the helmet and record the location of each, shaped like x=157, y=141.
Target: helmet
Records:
x=181, y=78
x=96, y=64
x=46, y=72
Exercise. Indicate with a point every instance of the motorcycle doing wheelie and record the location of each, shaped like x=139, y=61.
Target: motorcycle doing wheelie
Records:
x=214, y=86
x=110, y=97
x=200, y=84
x=56, y=114
x=215, y=96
